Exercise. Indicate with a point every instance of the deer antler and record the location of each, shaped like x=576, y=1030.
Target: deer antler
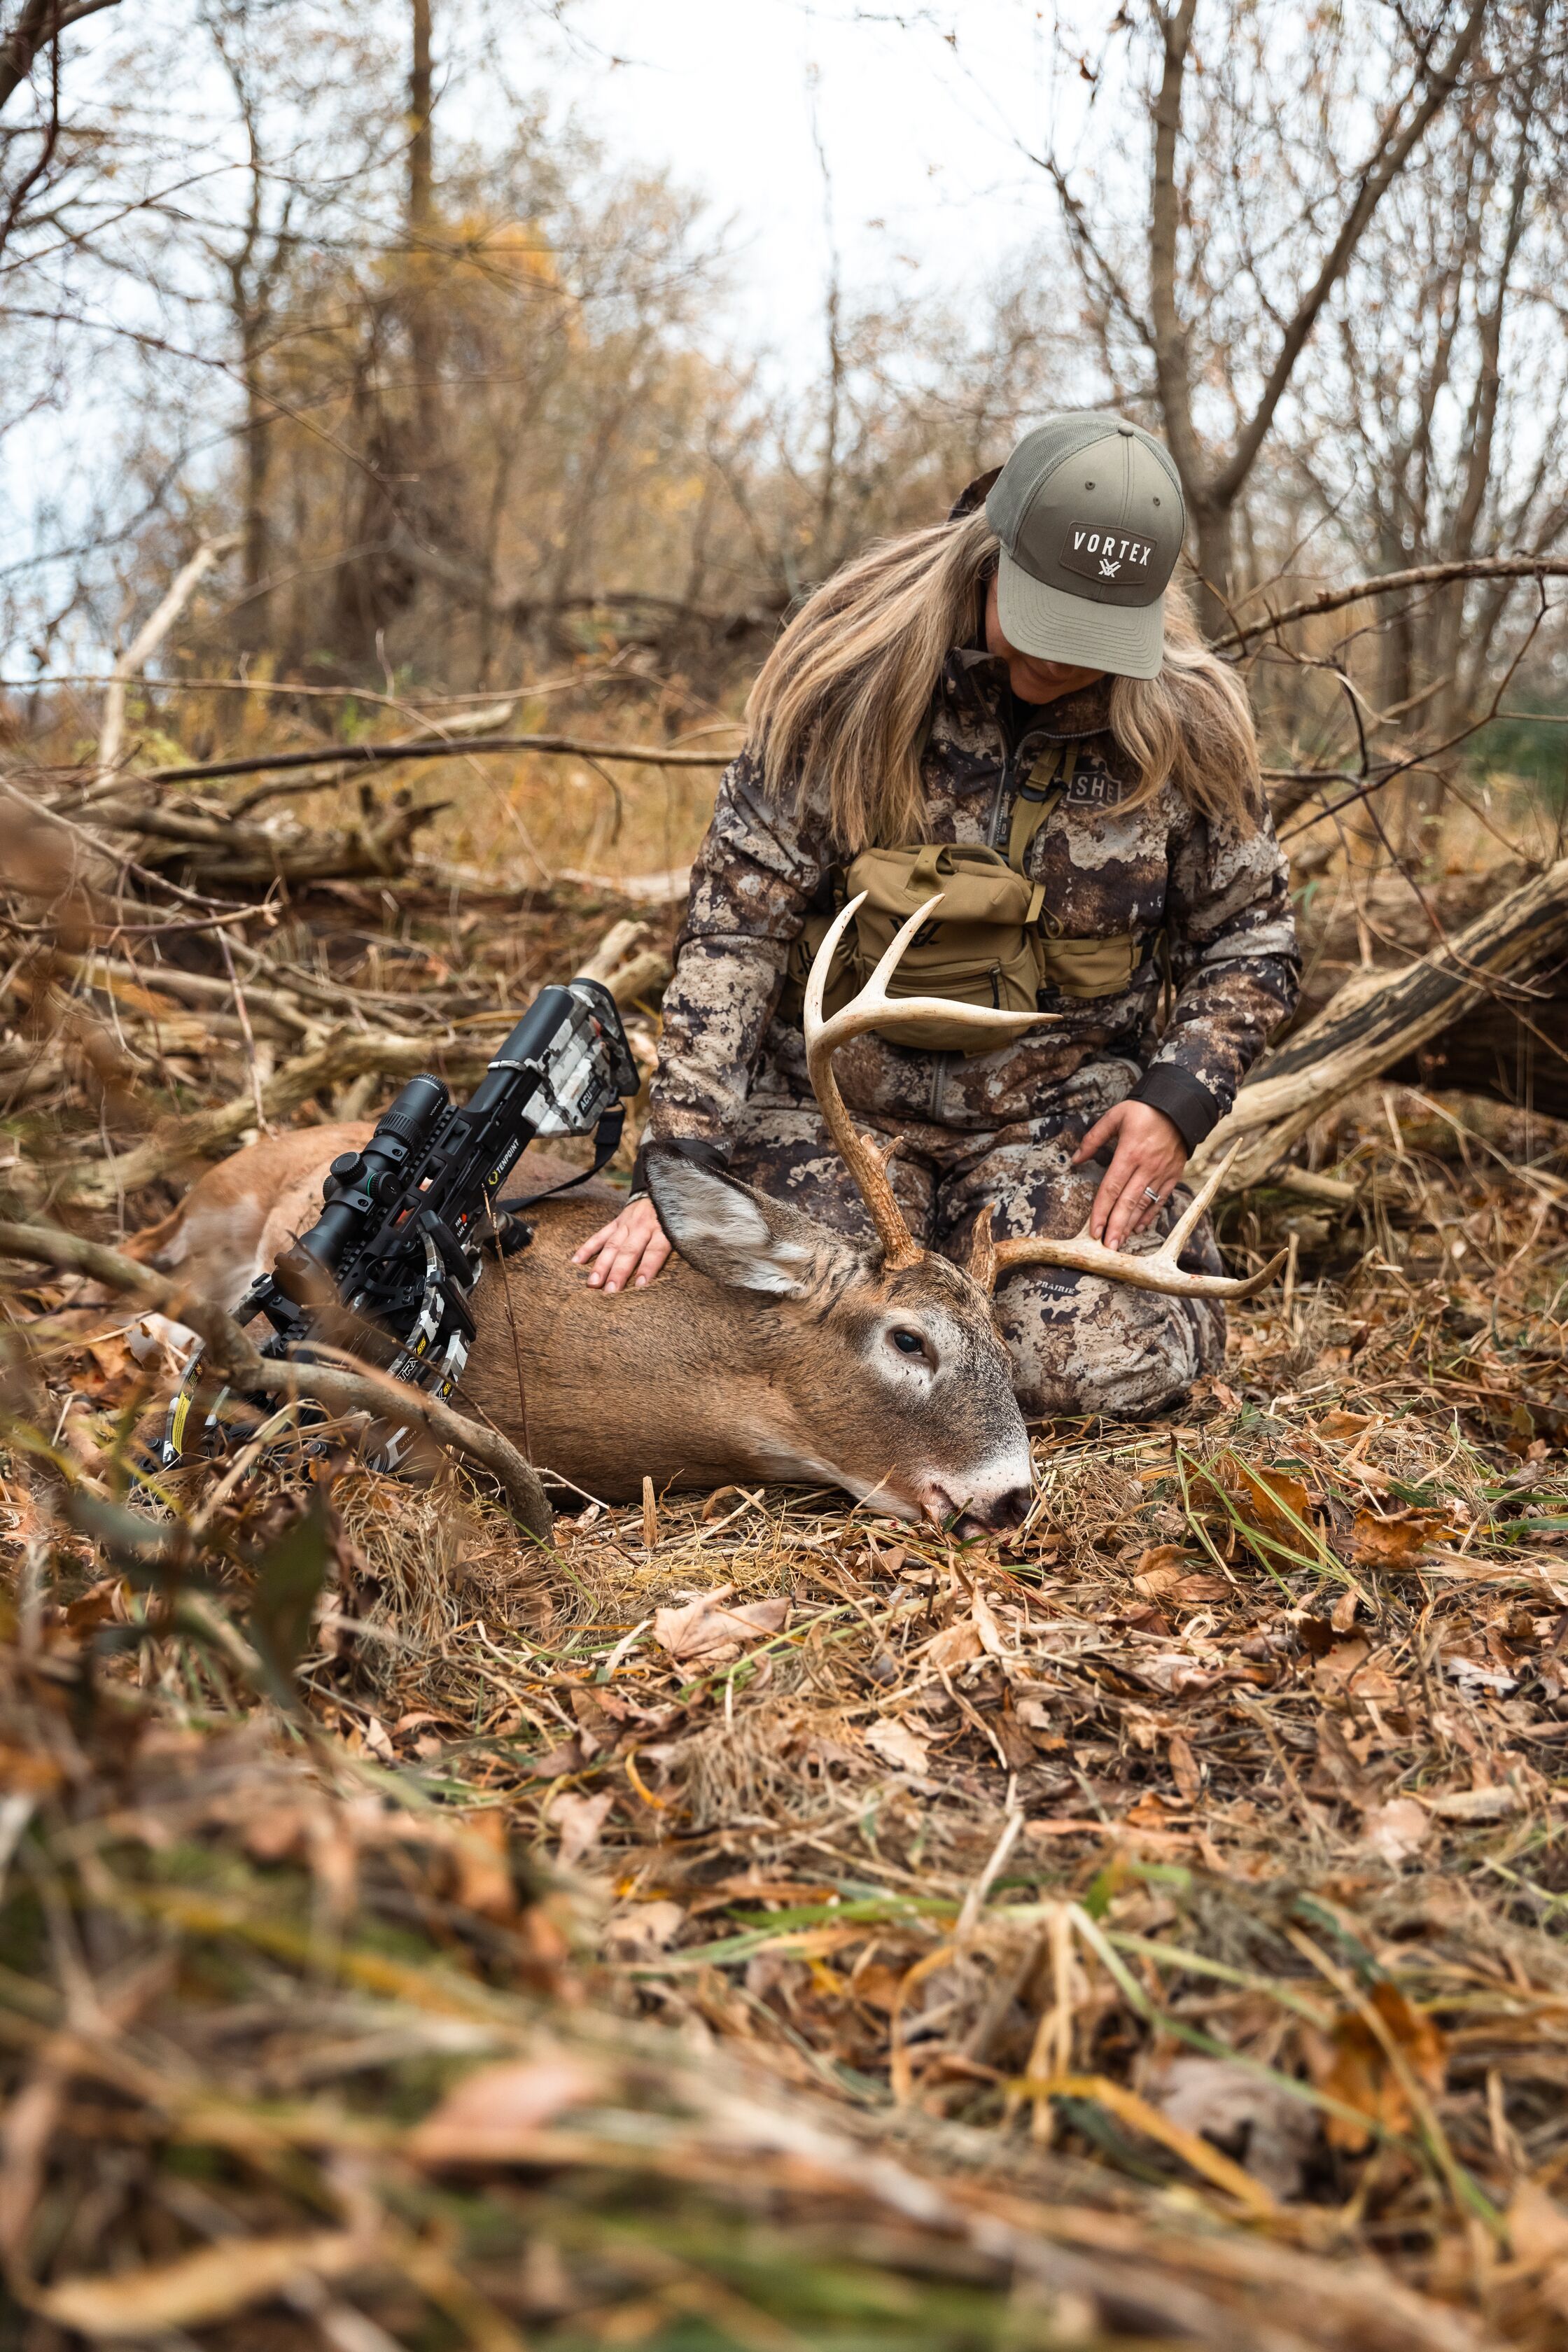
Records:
x=874, y=1009
x=1155, y=1269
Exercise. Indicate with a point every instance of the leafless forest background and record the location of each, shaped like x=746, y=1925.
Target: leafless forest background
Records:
x=744, y=1921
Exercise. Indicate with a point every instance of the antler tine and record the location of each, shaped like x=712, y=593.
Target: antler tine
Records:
x=1156, y=1269
x=1140, y=1269
x=867, y=1165
x=1181, y=1232
x=873, y=1008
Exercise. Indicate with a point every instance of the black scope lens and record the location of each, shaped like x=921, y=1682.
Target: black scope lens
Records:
x=413, y=1113
x=368, y=1179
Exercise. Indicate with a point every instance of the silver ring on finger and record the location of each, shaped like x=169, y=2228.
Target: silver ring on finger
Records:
x=1149, y=1194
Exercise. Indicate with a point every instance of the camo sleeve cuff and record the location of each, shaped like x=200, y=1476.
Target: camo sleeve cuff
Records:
x=1186, y=1102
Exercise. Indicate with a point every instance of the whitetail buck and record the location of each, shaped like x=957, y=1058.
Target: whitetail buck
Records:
x=771, y=1348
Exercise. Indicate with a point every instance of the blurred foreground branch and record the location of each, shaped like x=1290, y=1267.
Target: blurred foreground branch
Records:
x=372, y=755
x=363, y=1390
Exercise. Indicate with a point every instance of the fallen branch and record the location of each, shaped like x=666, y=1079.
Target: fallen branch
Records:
x=1378, y=1019
x=346, y=1053
x=372, y=755
x=223, y=850
x=199, y=989
x=234, y=1357
x=1390, y=584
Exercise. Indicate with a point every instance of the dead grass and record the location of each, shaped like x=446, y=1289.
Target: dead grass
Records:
x=1174, y=1892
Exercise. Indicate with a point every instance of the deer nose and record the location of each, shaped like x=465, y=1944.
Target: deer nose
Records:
x=1011, y=1510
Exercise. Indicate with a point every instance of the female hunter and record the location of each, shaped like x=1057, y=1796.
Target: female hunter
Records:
x=1022, y=685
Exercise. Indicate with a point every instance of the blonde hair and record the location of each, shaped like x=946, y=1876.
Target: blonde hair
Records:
x=836, y=707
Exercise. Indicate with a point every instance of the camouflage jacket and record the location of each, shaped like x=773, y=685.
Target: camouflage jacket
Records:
x=1221, y=897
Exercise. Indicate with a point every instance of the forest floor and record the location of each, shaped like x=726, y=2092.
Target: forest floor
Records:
x=760, y=1923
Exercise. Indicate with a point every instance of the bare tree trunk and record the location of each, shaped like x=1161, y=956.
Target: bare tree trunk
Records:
x=254, y=621
x=425, y=336
x=1213, y=483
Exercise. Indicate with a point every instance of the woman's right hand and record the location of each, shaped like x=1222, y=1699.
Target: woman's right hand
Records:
x=632, y=1246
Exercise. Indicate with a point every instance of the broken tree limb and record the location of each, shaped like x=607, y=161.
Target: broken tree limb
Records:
x=1378, y=1019
x=234, y=1356
x=142, y=646
x=218, y=850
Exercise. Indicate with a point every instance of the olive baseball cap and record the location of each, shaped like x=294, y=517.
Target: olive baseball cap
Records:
x=1089, y=514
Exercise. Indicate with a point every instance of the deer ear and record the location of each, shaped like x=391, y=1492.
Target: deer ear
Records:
x=731, y=1233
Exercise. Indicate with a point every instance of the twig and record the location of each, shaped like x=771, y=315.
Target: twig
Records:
x=372, y=755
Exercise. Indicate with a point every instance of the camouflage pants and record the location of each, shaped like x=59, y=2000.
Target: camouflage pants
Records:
x=1078, y=1344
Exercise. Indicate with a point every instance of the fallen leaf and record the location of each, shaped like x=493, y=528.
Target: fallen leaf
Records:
x=985, y=1625
x=1268, y=2132
x=1194, y=1592
x=1272, y=1501
x=1353, y=2065
x=1397, y=1829
x=705, y=1629
x=878, y=1985
x=556, y=1763
x=579, y=1819
x=643, y=1928
x=1185, y=1766
x=1341, y=1426
x=112, y=1356
x=897, y=1744
x=1537, y=2227
x=1341, y=1662
x=1393, y=1542
x=1493, y=1804
x=95, y=1606
x=377, y=1741
x=1373, y=1681
x=199, y=2288
x=492, y=2115
x=484, y=1868
x=955, y=1644
x=1159, y=1568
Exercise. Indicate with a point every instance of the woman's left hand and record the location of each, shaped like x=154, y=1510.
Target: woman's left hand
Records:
x=1149, y=1159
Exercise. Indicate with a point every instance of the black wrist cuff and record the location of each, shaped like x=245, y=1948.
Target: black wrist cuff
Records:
x=689, y=1147
x=1186, y=1102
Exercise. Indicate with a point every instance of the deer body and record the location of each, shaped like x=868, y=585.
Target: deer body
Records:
x=774, y=1358
x=773, y=1349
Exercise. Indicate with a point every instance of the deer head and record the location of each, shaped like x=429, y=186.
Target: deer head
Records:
x=887, y=1361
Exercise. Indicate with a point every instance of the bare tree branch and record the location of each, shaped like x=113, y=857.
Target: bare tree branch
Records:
x=1389, y=584
x=40, y=22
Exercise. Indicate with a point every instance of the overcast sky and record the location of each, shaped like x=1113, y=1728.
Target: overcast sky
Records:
x=923, y=139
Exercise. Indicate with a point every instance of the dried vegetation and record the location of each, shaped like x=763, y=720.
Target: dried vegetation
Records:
x=762, y=1924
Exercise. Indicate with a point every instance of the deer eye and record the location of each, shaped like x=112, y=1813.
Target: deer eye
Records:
x=908, y=1343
